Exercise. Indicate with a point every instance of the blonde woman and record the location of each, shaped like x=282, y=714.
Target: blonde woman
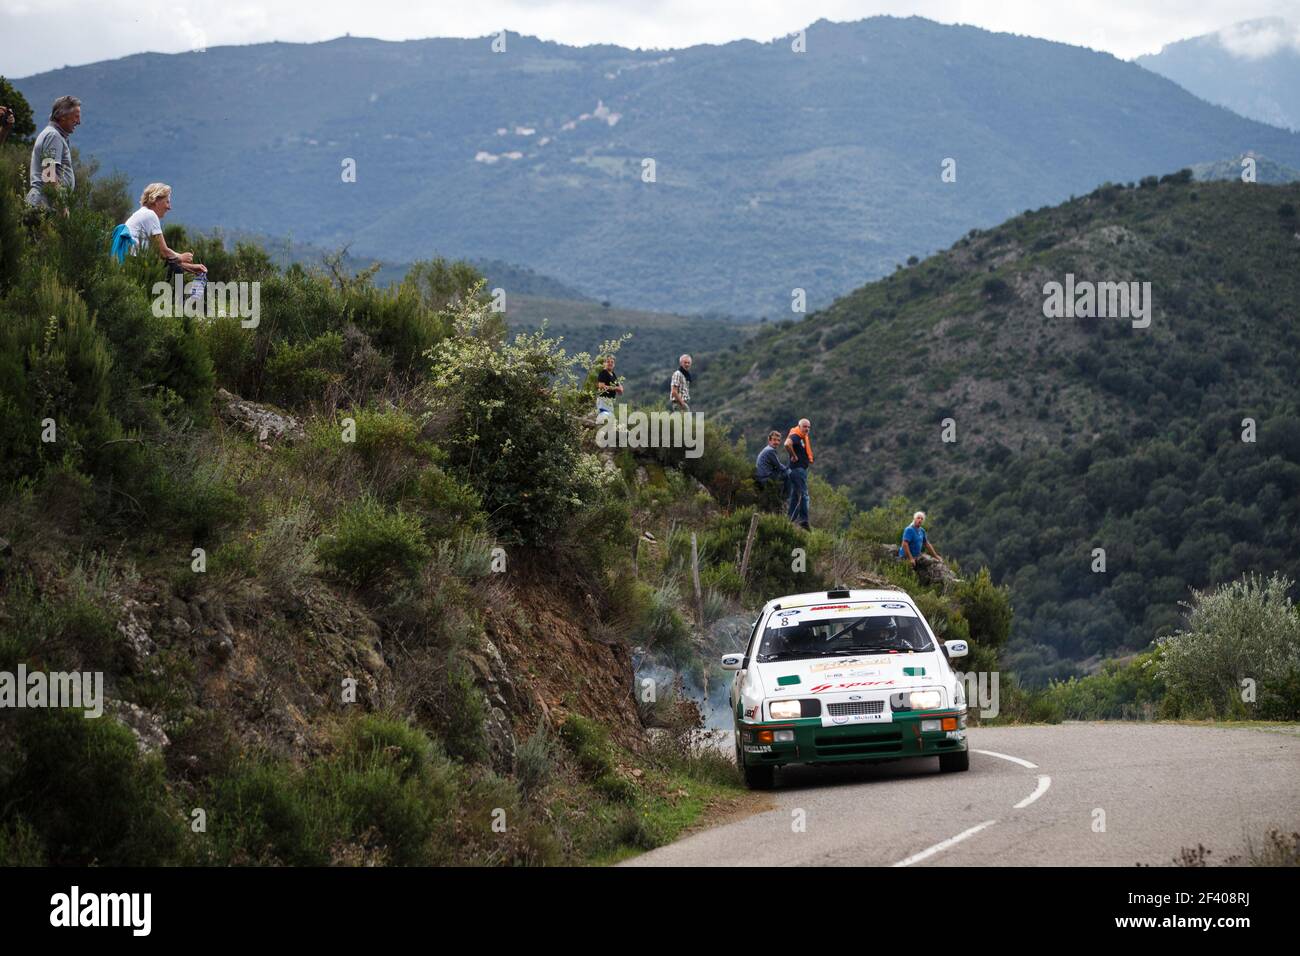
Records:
x=144, y=228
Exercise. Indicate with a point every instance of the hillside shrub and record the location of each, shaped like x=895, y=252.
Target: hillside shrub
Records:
x=512, y=433
x=1242, y=635
x=368, y=542
x=81, y=789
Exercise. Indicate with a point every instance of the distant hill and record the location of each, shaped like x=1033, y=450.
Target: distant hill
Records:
x=517, y=280
x=1070, y=434
x=774, y=170
x=1252, y=68
x=1266, y=171
x=647, y=360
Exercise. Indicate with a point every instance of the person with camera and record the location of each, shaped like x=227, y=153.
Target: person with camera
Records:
x=7, y=120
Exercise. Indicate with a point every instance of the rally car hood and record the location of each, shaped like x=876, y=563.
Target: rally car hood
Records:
x=829, y=677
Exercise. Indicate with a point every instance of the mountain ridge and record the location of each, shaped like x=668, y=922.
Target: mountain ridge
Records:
x=773, y=170
x=961, y=340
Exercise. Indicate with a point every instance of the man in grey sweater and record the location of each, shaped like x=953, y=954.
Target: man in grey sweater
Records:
x=51, y=163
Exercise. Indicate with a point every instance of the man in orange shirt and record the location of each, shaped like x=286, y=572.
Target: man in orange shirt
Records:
x=799, y=444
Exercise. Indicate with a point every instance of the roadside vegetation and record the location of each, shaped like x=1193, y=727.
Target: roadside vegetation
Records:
x=310, y=653
x=396, y=622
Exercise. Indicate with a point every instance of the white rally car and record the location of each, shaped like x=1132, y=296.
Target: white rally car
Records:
x=845, y=676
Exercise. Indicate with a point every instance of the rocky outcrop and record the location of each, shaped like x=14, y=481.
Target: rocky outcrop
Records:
x=145, y=726
x=928, y=570
x=267, y=424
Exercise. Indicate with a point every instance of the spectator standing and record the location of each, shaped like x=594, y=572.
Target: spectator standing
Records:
x=608, y=388
x=51, y=163
x=679, y=390
x=799, y=444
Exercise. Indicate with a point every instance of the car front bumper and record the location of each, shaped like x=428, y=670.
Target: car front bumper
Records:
x=850, y=743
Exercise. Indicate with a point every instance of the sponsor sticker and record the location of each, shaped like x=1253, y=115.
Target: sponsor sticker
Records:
x=850, y=685
x=836, y=665
x=884, y=717
x=861, y=672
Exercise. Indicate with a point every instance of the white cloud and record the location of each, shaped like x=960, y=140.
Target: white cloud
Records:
x=1257, y=39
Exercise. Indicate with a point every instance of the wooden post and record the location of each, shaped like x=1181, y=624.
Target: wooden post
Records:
x=636, y=548
x=749, y=543
x=695, y=573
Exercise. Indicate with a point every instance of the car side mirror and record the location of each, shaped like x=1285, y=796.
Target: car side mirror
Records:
x=956, y=648
x=733, y=662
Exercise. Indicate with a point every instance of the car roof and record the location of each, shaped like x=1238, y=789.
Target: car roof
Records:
x=825, y=597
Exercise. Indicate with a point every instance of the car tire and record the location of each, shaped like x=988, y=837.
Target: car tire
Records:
x=955, y=762
x=759, y=778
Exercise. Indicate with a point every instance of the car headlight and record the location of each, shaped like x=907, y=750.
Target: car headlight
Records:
x=925, y=700
x=784, y=709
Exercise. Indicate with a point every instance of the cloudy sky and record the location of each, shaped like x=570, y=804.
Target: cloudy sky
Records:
x=46, y=34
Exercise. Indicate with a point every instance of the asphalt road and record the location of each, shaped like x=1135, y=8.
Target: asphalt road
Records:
x=1075, y=794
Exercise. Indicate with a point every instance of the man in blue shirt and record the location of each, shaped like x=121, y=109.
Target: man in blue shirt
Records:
x=916, y=541
x=767, y=468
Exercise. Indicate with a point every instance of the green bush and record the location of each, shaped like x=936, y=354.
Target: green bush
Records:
x=87, y=794
x=1121, y=690
x=452, y=505
x=195, y=497
x=233, y=351
x=725, y=468
x=13, y=241
x=398, y=323
x=535, y=762
x=387, y=795
x=986, y=608
x=20, y=844
x=1246, y=631
x=588, y=741
x=260, y=814
x=368, y=542
x=301, y=372
x=512, y=433
x=462, y=726
x=660, y=626
x=723, y=577
x=54, y=364
x=772, y=561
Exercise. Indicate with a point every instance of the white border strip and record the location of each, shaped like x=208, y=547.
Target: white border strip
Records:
x=1023, y=763
x=1044, y=782
x=940, y=847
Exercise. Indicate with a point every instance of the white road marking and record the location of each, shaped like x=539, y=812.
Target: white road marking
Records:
x=940, y=847
x=1044, y=782
x=1023, y=763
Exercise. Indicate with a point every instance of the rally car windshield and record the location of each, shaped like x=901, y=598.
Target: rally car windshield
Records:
x=786, y=638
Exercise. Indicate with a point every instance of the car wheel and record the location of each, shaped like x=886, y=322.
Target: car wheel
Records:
x=954, y=763
x=759, y=778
